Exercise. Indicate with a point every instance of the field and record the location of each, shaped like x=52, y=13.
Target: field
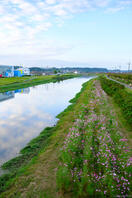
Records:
x=87, y=154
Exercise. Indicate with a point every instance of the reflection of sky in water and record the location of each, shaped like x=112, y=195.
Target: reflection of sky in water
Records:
x=25, y=115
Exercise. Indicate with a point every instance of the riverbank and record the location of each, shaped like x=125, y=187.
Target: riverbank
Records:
x=82, y=117
x=9, y=84
x=18, y=165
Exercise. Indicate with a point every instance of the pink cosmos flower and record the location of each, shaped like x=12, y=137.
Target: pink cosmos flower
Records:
x=130, y=159
x=123, y=140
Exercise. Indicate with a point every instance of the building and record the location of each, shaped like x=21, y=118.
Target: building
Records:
x=10, y=71
x=75, y=72
x=7, y=71
x=26, y=71
x=18, y=73
x=22, y=71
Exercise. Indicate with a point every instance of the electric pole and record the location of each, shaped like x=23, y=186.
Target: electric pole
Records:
x=120, y=68
x=129, y=65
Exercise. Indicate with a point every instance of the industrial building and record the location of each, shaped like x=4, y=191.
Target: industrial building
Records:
x=11, y=71
x=6, y=71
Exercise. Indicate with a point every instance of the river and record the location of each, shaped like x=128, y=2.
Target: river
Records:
x=24, y=113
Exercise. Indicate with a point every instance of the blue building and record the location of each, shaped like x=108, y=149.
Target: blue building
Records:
x=18, y=73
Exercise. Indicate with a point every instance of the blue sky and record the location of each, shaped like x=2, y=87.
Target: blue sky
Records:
x=66, y=32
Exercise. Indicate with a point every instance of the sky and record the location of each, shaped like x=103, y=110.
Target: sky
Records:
x=87, y=33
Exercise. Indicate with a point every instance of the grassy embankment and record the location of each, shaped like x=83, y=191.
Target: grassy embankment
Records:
x=121, y=96
x=95, y=158
x=85, y=150
x=9, y=84
x=125, y=78
x=19, y=165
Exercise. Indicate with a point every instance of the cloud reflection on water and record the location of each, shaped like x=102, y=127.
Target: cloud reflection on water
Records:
x=26, y=115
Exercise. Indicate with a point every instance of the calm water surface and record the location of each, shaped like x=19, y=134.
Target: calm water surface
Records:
x=24, y=113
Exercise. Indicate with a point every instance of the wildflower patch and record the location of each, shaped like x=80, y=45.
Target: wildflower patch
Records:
x=95, y=159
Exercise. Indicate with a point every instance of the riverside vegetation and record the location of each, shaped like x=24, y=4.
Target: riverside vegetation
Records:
x=95, y=158
x=125, y=78
x=9, y=84
x=86, y=154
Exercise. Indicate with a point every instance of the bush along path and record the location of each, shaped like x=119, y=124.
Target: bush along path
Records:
x=95, y=160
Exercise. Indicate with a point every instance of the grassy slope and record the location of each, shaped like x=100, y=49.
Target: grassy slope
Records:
x=121, y=96
x=8, y=84
x=38, y=179
x=41, y=170
x=123, y=123
x=124, y=78
x=50, y=155
x=84, y=154
x=125, y=127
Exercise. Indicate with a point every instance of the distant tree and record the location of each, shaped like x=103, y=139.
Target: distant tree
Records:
x=55, y=71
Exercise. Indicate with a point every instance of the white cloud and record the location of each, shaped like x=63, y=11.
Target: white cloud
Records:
x=50, y=1
x=125, y=2
x=116, y=9
x=22, y=21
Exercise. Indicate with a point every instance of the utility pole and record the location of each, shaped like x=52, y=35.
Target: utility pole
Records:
x=115, y=69
x=129, y=65
x=120, y=68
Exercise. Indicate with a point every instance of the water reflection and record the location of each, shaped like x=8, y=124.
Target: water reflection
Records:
x=23, y=91
x=11, y=94
x=30, y=111
x=7, y=95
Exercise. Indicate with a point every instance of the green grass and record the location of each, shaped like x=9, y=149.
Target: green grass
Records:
x=37, y=178
x=121, y=96
x=30, y=153
x=17, y=165
x=9, y=84
x=31, y=150
x=93, y=161
x=123, y=123
x=125, y=78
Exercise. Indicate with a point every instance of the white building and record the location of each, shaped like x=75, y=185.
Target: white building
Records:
x=75, y=72
x=26, y=71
